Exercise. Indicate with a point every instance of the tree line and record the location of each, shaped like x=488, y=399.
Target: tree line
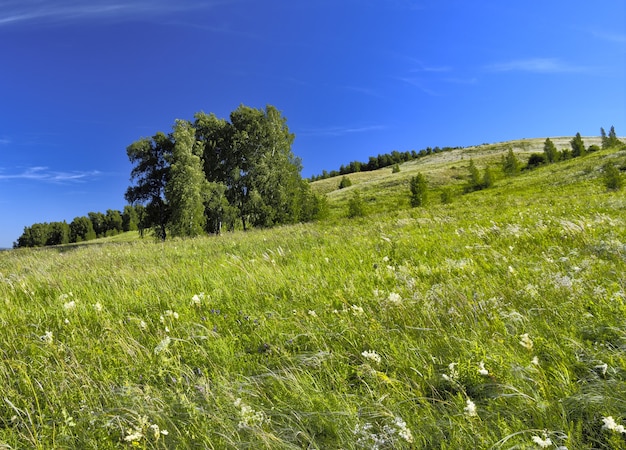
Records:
x=381, y=161
x=84, y=228
x=212, y=173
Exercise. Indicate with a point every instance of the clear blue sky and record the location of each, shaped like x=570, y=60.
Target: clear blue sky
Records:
x=81, y=80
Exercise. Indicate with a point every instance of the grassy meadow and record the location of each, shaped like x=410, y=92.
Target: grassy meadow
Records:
x=496, y=321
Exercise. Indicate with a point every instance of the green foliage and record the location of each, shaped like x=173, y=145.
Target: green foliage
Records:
x=130, y=219
x=113, y=221
x=447, y=195
x=419, y=190
x=488, y=178
x=578, y=146
x=81, y=229
x=356, y=206
x=536, y=160
x=185, y=187
x=550, y=151
x=150, y=157
x=345, y=182
x=474, y=183
x=613, y=179
x=610, y=141
x=395, y=168
x=493, y=322
x=510, y=163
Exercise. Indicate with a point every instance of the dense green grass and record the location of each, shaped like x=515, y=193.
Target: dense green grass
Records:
x=497, y=321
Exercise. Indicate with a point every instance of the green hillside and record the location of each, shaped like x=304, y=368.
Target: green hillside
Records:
x=495, y=321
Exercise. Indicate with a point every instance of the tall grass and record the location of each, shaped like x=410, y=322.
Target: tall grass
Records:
x=495, y=321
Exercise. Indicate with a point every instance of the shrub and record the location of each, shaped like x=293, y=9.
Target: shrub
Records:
x=419, y=190
x=345, y=182
x=536, y=160
x=446, y=196
x=356, y=206
x=395, y=168
x=612, y=177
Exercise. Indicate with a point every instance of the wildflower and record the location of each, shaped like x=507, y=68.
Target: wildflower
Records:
x=143, y=325
x=394, y=298
x=356, y=310
x=312, y=313
x=69, y=305
x=543, y=443
x=66, y=321
x=403, y=431
x=157, y=431
x=470, y=408
x=454, y=374
x=162, y=345
x=372, y=356
x=610, y=424
x=535, y=361
x=603, y=368
x=48, y=337
x=249, y=417
x=97, y=306
x=170, y=313
x=526, y=342
x=482, y=370
x=196, y=300
x=133, y=435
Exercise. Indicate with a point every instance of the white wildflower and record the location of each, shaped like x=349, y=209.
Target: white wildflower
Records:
x=372, y=356
x=249, y=417
x=543, y=443
x=143, y=325
x=66, y=321
x=165, y=432
x=356, y=310
x=133, y=435
x=162, y=346
x=97, y=306
x=68, y=306
x=610, y=424
x=403, y=431
x=563, y=281
x=48, y=337
x=386, y=259
x=535, y=361
x=170, y=313
x=454, y=373
x=155, y=429
x=526, y=341
x=482, y=370
x=603, y=368
x=312, y=313
x=470, y=408
x=394, y=298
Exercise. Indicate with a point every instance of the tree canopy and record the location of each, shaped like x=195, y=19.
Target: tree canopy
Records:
x=213, y=171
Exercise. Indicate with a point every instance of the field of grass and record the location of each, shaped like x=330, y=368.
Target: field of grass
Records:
x=497, y=321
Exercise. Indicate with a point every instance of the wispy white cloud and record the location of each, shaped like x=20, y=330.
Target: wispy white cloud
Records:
x=536, y=65
x=63, y=11
x=44, y=174
x=419, y=84
x=340, y=130
x=5, y=141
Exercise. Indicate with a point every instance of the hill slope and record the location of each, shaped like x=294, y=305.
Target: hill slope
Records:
x=496, y=321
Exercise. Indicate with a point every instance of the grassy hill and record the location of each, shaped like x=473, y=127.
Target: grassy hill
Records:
x=495, y=321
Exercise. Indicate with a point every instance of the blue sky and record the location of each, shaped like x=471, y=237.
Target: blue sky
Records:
x=81, y=80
